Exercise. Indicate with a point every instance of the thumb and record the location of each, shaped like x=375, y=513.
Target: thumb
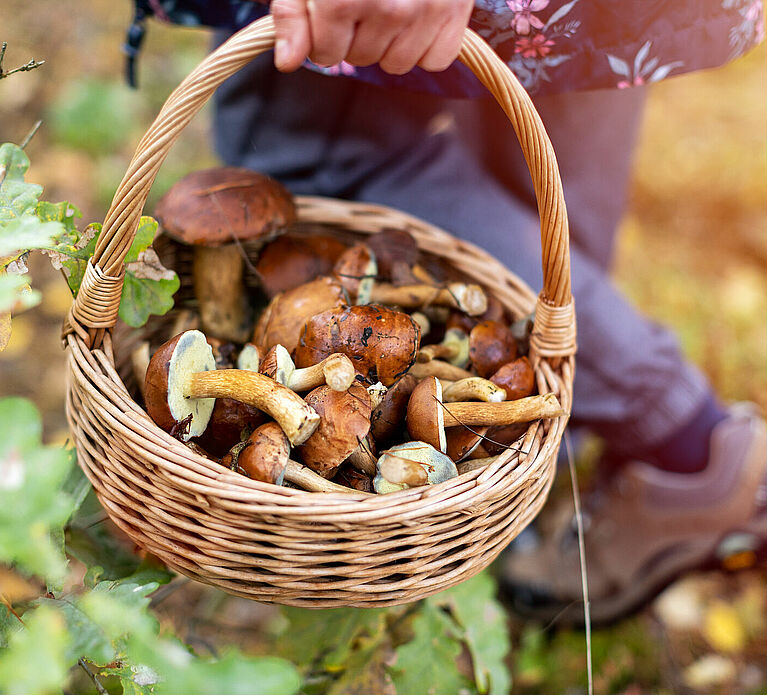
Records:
x=293, y=37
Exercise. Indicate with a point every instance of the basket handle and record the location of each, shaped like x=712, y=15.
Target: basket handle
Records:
x=95, y=308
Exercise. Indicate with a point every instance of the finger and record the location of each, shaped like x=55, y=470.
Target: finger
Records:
x=332, y=24
x=446, y=45
x=292, y=34
x=412, y=42
x=379, y=29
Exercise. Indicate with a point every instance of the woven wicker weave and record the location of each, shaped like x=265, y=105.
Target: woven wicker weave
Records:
x=289, y=546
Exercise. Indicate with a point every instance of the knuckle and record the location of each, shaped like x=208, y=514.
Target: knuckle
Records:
x=396, y=10
x=341, y=9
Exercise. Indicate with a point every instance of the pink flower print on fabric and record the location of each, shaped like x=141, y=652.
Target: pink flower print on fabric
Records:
x=524, y=19
x=537, y=47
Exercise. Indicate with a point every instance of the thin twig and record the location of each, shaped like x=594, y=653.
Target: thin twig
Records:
x=8, y=605
x=582, y=552
x=101, y=689
x=31, y=134
x=31, y=65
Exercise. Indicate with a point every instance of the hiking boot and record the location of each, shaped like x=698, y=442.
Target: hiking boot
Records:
x=644, y=527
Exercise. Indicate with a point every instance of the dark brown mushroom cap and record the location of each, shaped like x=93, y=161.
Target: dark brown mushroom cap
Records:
x=283, y=320
x=353, y=478
x=389, y=417
x=227, y=423
x=344, y=423
x=223, y=352
x=266, y=456
x=491, y=345
x=395, y=250
x=289, y=261
x=495, y=312
x=461, y=442
x=356, y=270
x=214, y=206
x=425, y=416
x=517, y=378
x=381, y=343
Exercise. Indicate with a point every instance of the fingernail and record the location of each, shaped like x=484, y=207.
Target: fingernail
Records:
x=281, y=53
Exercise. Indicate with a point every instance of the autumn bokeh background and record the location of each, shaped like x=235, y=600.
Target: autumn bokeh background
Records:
x=692, y=253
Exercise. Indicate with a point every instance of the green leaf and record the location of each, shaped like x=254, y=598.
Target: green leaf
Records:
x=426, y=664
x=15, y=294
x=148, y=287
x=32, y=504
x=485, y=631
x=134, y=679
x=26, y=233
x=35, y=662
x=234, y=674
x=365, y=671
x=326, y=637
x=16, y=196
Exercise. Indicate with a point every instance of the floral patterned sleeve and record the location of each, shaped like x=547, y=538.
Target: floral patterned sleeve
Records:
x=551, y=45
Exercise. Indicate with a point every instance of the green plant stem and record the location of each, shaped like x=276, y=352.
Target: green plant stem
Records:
x=30, y=134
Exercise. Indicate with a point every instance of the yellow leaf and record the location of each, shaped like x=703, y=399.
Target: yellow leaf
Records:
x=723, y=628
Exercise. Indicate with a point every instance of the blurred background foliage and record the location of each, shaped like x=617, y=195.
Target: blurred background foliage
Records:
x=692, y=253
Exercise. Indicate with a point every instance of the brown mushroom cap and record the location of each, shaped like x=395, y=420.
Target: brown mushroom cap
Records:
x=290, y=260
x=491, y=345
x=229, y=420
x=213, y=206
x=283, y=320
x=356, y=270
x=517, y=378
x=183, y=354
x=266, y=456
x=389, y=417
x=396, y=252
x=425, y=416
x=495, y=312
x=344, y=423
x=381, y=343
x=461, y=442
x=353, y=478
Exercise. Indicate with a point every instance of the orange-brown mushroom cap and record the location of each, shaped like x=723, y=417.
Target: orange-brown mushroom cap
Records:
x=214, y=206
x=425, y=416
x=381, y=343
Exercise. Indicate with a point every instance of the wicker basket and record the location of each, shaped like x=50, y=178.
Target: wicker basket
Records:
x=288, y=546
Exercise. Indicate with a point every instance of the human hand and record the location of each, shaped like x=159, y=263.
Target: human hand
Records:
x=396, y=34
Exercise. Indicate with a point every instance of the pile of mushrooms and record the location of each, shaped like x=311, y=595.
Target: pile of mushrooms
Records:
x=370, y=369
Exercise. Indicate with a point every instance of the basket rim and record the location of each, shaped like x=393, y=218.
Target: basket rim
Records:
x=94, y=370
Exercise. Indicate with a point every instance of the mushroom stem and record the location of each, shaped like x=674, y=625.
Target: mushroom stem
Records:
x=336, y=370
x=442, y=370
x=470, y=299
x=307, y=479
x=473, y=388
x=297, y=419
x=220, y=291
x=454, y=348
x=506, y=413
x=363, y=457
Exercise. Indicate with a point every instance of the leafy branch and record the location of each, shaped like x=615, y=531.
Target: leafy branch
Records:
x=31, y=65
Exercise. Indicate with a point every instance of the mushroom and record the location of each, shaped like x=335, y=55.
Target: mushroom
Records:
x=454, y=348
x=291, y=260
x=356, y=270
x=213, y=210
x=494, y=312
x=382, y=343
x=517, y=378
x=351, y=477
x=427, y=415
x=336, y=370
x=397, y=252
x=344, y=425
x=398, y=463
x=440, y=369
x=249, y=357
x=283, y=319
x=491, y=345
x=462, y=441
x=265, y=456
x=223, y=352
x=468, y=298
x=182, y=384
x=389, y=416
x=473, y=388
